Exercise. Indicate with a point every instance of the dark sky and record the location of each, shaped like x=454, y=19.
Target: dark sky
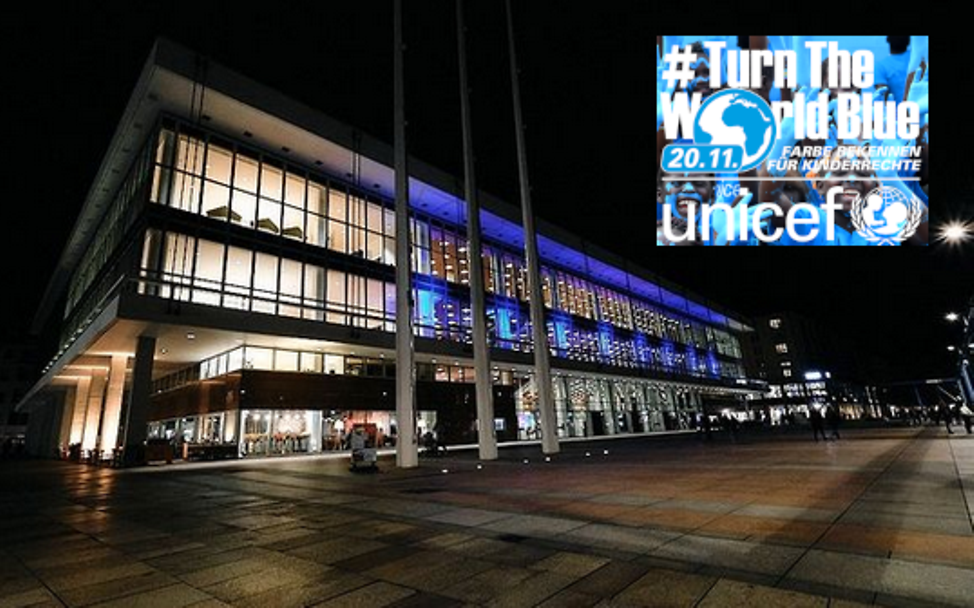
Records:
x=586, y=79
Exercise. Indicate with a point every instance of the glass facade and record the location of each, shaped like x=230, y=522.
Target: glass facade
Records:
x=315, y=362
x=205, y=175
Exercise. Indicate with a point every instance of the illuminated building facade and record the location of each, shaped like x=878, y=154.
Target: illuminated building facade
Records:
x=230, y=282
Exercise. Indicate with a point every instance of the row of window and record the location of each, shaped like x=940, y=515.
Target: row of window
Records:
x=214, y=181
x=278, y=198
x=185, y=268
x=112, y=227
x=275, y=359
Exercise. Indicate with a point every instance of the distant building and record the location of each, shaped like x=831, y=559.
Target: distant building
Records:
x=806, y=365
x=19, y=368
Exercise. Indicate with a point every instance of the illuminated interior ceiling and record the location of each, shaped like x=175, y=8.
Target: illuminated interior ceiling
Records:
x=178, y=346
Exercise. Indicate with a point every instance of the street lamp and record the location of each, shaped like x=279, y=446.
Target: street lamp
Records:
x=951, y=348
x=955, y=232
x=951, y=316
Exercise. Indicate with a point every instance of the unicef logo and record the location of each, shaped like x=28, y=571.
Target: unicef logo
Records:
x=741, y=118
x=887, y=216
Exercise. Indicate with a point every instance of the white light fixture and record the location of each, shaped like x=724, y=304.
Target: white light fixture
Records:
x=951, y=316
x=190, y=335
x=951, y=348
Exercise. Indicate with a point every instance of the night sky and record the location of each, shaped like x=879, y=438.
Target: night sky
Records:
x=586, y=88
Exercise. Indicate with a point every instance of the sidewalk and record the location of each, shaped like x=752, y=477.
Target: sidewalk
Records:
x=880, y=517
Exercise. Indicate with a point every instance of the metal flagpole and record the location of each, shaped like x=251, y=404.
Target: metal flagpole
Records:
x=539, y=334
x=486, y=439
x=406, y=454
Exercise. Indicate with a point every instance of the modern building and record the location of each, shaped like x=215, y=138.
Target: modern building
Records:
x=229, y=284
x=806, y=365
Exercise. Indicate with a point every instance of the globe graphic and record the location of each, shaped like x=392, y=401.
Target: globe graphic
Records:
x=737, y=118
x=886, y=211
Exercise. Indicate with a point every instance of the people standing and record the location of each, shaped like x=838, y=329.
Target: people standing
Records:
x=833, y=418
x=818, y=424
x=948, y=414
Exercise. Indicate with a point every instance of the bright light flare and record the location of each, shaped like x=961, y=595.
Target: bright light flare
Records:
x=956, y=232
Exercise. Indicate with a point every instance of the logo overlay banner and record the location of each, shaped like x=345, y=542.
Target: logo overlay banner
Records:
x=792, y=140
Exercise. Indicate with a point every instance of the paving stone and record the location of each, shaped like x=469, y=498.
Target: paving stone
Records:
x=575, y=565
x=781, y=512
x=569, y=598
x=215, y=574
x=100, y=592
x=932, y=582
x=34, y=596
x=748, y=556
x=531, y=591
x=731, y=594
x=610, y=579
x=173, y=596
x=336, y=549
x=91, y=573
x=487, y=585
x=371, y=596
x=534, y=525
x=232, y=590
x=469, y=517
x=323, y=587
x=666, y=588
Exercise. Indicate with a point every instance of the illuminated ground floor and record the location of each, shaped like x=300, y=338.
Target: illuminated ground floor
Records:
x=228, y=384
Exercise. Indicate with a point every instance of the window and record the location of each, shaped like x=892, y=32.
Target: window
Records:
x=290, y=296
x=285, y=361
x=218, y=163
x=336, y=297
x=334, y=364
x=239, y=275
x=337, y=235
x=265, y=283
x=786, y=373
x=209, y=273
x=775, y=323
x=314, y=292
x=781, y=347
x=258, y=358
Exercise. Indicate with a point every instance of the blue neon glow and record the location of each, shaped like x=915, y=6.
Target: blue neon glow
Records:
x=562, y=326
x=692, y=359
x=668, y=355
x=605, y=339
x=713, y=365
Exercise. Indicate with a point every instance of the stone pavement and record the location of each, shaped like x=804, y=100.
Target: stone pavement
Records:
x=881, y=517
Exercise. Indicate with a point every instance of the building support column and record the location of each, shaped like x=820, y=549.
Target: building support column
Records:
x=965, y=378
x=607, y=397
x=137, y=417
x=406, y=449
x=539, y=333
x=67, y=416
x=77, y=431
x=113, y=405
x=96, y=397
x=486, y=436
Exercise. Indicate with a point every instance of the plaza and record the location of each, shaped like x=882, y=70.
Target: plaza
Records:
x=881, y=516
